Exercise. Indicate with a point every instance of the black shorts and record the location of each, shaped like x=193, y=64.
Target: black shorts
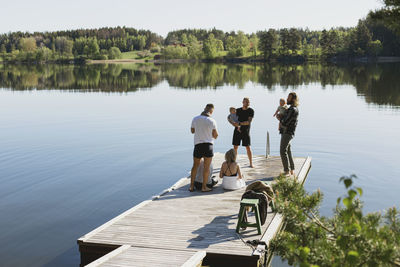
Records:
x=203, y=150
x=242, y=136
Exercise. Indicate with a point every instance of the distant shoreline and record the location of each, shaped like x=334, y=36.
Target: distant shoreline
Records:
x=247, y=60
x=244, y=60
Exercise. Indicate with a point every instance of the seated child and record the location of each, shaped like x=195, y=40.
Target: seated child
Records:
x=233, y=118
x=280, y=111
x=230, y=172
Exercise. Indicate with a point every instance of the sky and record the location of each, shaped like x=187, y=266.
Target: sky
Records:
x=162, y=16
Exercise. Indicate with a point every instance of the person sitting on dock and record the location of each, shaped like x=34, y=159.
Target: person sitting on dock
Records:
x=230, y=172
x=205, y=131
x=198, y=181
x=289, y=124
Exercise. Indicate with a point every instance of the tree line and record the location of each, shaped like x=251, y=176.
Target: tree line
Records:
x=103, y=43
x=376, y=35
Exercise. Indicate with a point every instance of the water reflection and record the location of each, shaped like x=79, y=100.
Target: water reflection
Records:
x=376, y=83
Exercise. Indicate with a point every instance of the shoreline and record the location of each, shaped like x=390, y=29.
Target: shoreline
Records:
x=217, y=60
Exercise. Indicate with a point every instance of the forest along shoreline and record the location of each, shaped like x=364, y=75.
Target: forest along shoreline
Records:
x=376, y=38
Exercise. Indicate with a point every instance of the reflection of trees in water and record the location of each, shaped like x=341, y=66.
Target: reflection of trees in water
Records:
x=83, y=78
x=376, y=83
x=379, y=85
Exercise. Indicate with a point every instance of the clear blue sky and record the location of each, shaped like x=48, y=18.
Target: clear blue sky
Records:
x=162, y=16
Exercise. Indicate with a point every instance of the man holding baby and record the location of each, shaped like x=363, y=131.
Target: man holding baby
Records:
x=241, y=133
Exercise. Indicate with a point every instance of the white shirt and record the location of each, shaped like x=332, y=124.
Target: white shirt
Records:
x=203, y=127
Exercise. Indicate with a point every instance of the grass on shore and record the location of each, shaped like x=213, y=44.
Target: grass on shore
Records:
x=138, y=55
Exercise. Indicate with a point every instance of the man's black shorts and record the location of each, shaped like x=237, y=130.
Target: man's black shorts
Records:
x=203, y=150
x=242, y=136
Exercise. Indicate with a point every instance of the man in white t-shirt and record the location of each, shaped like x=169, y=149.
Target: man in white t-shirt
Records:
x=205, y=131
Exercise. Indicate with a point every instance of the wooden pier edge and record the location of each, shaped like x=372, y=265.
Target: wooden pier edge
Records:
x=276, y=224
x=195, y=260
x=108, y=256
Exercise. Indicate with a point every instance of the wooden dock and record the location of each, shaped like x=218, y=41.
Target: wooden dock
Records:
x=179, y=228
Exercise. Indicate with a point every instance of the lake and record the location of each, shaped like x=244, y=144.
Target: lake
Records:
x=81, y=144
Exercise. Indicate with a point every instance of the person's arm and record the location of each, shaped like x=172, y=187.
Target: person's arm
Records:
x=192, y=127
x=276, y=112
x=239, y=172
x=214, y=133
x=221, y=172
x=248, y=122
x=234, y=124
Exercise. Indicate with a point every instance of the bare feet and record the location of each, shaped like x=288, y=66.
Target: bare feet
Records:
x=206, y=189
x=251, y=166
x=191, y=189
x=292, y=172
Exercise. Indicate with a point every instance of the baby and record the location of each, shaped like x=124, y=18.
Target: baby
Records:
x=233, y=118
x=281, y=110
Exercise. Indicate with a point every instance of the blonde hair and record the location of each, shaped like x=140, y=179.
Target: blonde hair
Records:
x=230, y=156
x=282, y=99
x=232, y=108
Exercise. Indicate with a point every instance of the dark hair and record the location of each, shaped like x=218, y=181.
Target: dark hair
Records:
x=295, y=99
x=208, y=107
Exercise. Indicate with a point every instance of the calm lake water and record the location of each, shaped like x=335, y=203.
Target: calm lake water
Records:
x=81, y=144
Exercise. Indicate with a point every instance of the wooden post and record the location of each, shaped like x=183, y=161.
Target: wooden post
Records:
x=268, y=150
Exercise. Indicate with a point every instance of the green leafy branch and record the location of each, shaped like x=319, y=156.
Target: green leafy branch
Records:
x=348, y=238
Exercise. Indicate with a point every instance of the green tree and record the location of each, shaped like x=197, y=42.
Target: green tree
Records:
x=194, y=47
x=219, y=45
x=253, y=44
x=91, y=49
x=389, y=14
x=230, y=43
x=27, y=44
x=43, y=54
x=210, y=47
x=348, y=238
x=268, y=43
x=291, y=40
x=184, y=39
x=329, y=43
x=242, y=43
x=3, y=52
x=64, y=46
x=360, y=38
x=114, y=53
x=175, y=52
x=79, y=46
x=375, y=48
x=139, y=42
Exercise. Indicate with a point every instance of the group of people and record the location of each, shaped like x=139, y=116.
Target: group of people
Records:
x=204, y=128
